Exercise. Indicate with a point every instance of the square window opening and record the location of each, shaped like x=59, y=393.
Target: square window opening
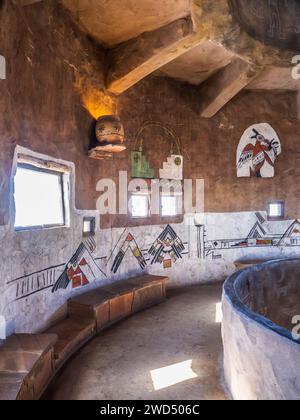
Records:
x=276, y=210
x=41, y=197
x=89, y=226
x=139, y=205
x=170, y=205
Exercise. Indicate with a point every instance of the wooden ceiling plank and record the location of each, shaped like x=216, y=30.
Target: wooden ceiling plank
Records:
x=225, y=85
x=134, y=60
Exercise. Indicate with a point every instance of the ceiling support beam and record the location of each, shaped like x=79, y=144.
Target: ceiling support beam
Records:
x=225, y=85
x=132, y=61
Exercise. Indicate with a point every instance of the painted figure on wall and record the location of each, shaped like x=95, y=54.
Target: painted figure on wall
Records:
x=257, y=151
x=275, y=25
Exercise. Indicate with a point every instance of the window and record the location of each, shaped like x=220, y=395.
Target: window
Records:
x=89, y=226
x=39, y=197
x=276, y=210
x=169, y=205
x=139, y=205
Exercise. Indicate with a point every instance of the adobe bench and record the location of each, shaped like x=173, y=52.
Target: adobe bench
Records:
x=28, y=362
x=26, y=365
x=91, y=312
x=119, y=300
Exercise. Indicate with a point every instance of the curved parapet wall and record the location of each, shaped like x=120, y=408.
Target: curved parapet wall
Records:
x=261, y=358
x=273, y=22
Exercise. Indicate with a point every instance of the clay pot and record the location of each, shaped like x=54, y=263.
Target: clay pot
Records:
x=110, y=132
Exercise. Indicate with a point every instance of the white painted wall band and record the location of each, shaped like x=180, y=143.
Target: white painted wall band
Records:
x=2, y=68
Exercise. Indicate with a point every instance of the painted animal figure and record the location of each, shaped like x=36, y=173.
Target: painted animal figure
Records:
x=259, y=153
x=258, y=149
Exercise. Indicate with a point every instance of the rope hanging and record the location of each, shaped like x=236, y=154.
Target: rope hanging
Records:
x=175, y=139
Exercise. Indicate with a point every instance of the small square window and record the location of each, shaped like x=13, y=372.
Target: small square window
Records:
x=39, y=197
x=139, y=205
x=89, y=226
x=169, y=205
x=276, y=210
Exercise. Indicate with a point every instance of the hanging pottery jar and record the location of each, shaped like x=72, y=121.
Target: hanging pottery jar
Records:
x=110, y=133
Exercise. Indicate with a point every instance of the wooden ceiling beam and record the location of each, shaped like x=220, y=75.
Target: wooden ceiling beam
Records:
x=132, y=61
x=217, y=91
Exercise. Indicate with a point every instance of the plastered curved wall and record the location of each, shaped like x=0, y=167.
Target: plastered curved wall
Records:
x=37, y=277
x=261, y=359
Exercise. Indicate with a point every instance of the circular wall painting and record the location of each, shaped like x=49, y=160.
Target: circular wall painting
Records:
x=273, y=22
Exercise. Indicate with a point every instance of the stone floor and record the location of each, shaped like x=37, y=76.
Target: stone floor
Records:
x=124, y=362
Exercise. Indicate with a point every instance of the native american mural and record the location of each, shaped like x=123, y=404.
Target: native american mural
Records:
x=263, y=234
x=173, y=168
x=129, y=244
x=257, y=151
x=167, y=248
x=274, y=22
x=81, y=270
x=217, y=241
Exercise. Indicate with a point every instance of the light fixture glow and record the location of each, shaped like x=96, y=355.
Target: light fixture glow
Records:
x=172, y=375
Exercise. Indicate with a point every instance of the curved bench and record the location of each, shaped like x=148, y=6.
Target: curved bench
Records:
x=26, y=364
x=29, y=362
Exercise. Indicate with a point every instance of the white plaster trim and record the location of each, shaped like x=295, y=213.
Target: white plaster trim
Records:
x=2, y=67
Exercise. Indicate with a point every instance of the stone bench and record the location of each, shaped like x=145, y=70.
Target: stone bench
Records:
x=29, y=362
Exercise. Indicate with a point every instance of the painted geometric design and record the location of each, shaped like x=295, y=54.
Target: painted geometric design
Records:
x=167, y=264
x=140, y=166
x=167, y=246
x=77, y=274
x=173, y=168
x=260, y=217
x=257, y=232
x=292, y=235
x=80, y=270
x=129, y=243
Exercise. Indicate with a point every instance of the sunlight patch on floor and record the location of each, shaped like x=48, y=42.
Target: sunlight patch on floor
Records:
x=172, y=375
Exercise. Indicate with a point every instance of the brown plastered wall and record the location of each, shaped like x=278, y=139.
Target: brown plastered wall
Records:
x=209, y=145
x=49, y=62
x=50, y=68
